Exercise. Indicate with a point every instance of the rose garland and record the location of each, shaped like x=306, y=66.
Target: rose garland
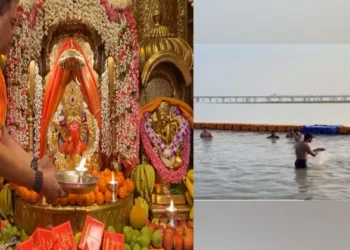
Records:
x=117, y=29
x=168, y=175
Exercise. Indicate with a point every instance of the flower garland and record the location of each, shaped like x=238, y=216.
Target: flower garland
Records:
x=38, y=103
x=167, y=151
x=117, y=28
x=168, y=175
x=106, y=145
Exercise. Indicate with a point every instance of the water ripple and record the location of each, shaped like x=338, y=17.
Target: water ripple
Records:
x=238, y=165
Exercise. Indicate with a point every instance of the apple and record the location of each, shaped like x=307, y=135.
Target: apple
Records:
x=155, y=221
x=182, y=223
x=169, y=230
x=178, y=242
x=148, y=222
x=188, y=231
x=168, y=241
x=160, y=228
x=190, y=223
x=163, y=225
x=153, y=227
x=188, y=242
x=162, y=220
x=179, y=231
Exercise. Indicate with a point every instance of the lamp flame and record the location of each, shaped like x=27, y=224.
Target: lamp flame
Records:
x=113, y=181
x=81, y=166
x=171, y=208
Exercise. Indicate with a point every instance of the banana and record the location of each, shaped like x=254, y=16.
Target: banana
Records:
x=189, y=199
x=190, y=175
x=136, y=178
x=9, y=202
x=151, y=177
x=6, y=209
x=191, y=215
x=149, y=185
x=144, y=204
x=189, y=186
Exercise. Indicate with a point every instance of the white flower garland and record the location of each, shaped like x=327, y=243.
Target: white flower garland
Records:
x=106, y=146
x=38, y=103
x=91, y=12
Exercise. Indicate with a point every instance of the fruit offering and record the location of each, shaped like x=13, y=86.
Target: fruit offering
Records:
x=100, y=195
x=8, y=231
x=158, y=234
x=143, y=176
x=188, y=181
x=6, y=206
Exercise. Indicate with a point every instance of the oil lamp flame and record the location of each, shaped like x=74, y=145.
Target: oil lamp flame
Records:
x=81, y=166
x=171, y=208
x=112, y=181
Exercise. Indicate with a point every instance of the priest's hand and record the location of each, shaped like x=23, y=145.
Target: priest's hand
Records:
x=51, y=189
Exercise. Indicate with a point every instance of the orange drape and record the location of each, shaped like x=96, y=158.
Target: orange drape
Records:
x=184, y=107
x=3, y=99
x=56, y=86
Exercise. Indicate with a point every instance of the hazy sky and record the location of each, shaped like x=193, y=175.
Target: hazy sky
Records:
x=271, y=69
x=272, y=21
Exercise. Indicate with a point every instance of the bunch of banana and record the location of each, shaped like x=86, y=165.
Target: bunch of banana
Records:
x=188, y=181
x=144, y=204
x=6, y=208
x=143, y=176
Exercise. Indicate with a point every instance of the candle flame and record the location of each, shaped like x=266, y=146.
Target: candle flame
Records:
x=171, y=207
x=82, y=164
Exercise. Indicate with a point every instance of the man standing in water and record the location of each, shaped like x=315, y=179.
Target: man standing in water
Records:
x=206, y=134
x=302, y=149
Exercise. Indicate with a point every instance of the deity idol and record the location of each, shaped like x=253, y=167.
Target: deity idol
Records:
x=73, y=130
x=165, y=133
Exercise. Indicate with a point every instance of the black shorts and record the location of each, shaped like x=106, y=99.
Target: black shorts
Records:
x=300, y=164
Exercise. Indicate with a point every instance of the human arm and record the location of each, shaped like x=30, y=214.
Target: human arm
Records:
x=309, y=151
x=16, y=149
x=13, y=169
x=15, y=165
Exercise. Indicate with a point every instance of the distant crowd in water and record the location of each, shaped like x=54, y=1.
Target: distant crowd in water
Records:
x=302, y=147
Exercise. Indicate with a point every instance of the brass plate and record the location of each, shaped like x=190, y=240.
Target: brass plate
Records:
x=29, y=217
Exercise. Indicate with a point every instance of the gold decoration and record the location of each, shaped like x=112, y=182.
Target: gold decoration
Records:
x=164, y=122
x=71, y=59
x=29, y=217
x=159, y=211
x=73, y=109
x=171, y=10
x=161, y=46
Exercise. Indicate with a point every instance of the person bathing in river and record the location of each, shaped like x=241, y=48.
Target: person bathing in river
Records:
x=298, y=137
x=303, y=149
x=206, y=134
x=273, y=135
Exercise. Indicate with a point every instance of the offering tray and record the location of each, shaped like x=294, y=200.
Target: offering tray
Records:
x=76, y=183
x=30, y=216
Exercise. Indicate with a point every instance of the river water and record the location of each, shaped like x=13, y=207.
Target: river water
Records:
x=246, y=165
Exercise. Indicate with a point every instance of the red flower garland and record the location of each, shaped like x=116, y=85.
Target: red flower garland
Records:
x=168, y=175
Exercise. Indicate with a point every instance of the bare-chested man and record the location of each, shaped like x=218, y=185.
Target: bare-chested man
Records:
x=302, y=149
